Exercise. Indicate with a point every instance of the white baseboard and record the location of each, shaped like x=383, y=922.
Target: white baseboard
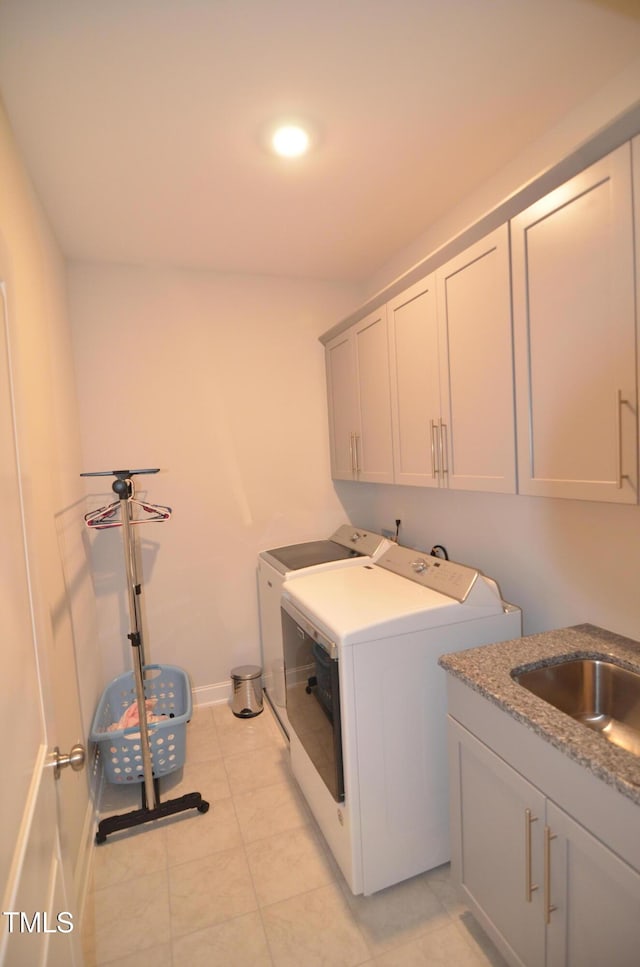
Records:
x=212, y=694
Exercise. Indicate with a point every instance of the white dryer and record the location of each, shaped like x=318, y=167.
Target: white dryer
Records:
x=366, y=703
x=348, y=546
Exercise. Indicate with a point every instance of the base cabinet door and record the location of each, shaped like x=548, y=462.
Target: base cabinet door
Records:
x=593, y=907
x=547, y=891
x=497, y=828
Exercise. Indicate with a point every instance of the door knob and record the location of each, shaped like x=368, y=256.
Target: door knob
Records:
x=75, y=759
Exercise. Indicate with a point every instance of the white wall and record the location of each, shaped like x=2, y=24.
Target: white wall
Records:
x=580, y=126
x=33, y=271
x=219, y=381
x=562, y=561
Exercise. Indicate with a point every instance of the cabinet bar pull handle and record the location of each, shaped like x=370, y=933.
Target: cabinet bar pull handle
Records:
x=352, y=438
x=356, y=438
x=434, y=463
x=548, y=906
x=443, y=448
x=529, y=886
x=620, y=402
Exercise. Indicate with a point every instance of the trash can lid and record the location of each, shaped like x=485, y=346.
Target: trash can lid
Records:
x=246, y=671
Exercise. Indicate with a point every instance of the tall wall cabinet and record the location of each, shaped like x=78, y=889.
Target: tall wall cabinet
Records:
x=434, y=388
x=476, y=368
x=575, y=337
x=359, y=402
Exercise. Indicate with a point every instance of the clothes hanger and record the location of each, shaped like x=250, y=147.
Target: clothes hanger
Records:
x=109, y=515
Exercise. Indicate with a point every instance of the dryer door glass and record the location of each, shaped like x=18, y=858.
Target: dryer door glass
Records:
x=312, y=685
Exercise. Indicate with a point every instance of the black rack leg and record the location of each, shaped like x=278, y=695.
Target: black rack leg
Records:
x=137, y=817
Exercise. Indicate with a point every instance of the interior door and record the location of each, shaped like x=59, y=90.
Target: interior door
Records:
x=38, y=916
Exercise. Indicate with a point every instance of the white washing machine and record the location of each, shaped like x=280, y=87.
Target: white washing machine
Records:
x=366, y=703
x=348, y=546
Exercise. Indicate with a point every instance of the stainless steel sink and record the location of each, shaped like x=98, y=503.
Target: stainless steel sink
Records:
x=596, y=692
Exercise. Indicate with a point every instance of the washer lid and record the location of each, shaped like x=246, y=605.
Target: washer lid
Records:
x=294, y=557
x=347, y=542
x=368, y=602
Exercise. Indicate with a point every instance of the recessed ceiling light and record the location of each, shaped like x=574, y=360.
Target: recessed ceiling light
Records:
x=290, y=140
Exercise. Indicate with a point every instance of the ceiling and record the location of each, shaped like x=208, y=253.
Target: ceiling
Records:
x=141, y=122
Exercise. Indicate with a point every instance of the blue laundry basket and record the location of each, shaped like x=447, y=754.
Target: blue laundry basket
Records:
x=121, y=750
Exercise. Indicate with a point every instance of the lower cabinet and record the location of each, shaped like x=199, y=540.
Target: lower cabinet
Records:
x=543, y=887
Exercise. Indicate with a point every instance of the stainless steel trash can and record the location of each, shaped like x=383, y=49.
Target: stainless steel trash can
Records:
x=246, y=700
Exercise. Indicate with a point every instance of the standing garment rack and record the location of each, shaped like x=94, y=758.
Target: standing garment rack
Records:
x=119, y=514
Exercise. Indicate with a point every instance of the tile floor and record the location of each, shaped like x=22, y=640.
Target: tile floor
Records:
x=251, y=882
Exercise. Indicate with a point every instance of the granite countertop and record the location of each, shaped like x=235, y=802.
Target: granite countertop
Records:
x=487, y=669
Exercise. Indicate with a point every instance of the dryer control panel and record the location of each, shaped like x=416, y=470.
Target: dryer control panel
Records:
x=447, y=577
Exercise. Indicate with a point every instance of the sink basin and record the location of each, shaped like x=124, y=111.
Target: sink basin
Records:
x=596, y=692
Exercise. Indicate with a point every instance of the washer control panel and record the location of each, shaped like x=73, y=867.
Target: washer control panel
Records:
x=446, y=577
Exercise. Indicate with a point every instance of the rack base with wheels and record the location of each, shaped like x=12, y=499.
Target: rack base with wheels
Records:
x=140, y=722
x=136, y=817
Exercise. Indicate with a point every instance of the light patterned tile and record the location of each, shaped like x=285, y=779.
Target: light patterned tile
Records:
x=203, y=742
x=126, y=854
x=238, y=735
x=270, y=810
x=477, y=939
x=209, y=778
x=202, y=718
x=255, y=770
x=315, y=929
x=131, y=917
x=443, y=947
x=210, y=890
x=158, y=956
x=259, y=847
x=397, y=915
x=441, y=883
x=195, y=834
x=240, y=942
x=287, y=864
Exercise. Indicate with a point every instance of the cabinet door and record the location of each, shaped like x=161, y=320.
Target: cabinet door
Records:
x=574, y=330
x=342, y=401
x=597, y=900
x=476, y=367
x=497, y=847
x=373, y=446
x=415, y=384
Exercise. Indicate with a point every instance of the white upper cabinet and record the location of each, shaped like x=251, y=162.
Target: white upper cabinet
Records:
x=452, y=373
x=341, y=391
x=359, y=401
x=574, y=330
x=477, y=428
x=415, y=384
